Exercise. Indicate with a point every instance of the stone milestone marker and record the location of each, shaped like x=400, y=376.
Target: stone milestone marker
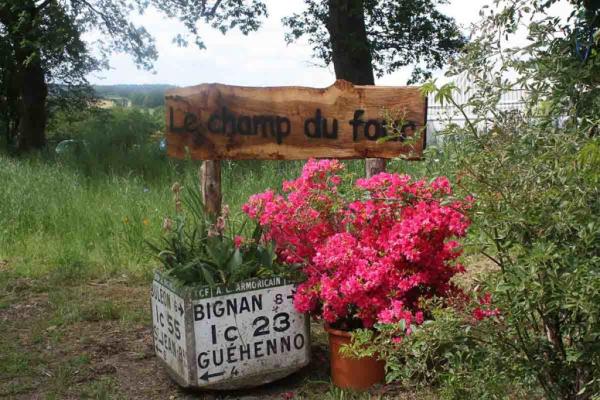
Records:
x=229, y=337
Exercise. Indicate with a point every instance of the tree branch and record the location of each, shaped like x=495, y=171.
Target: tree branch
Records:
x=43, y=4
x=104, y=17
x=214, y=8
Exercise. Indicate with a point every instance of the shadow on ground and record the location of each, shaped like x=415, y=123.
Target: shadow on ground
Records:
x=94, y=341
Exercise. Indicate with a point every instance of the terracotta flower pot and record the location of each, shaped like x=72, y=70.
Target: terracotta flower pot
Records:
x=352, y=373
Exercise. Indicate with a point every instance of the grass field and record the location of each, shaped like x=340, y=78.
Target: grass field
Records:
x=57, y=219
x=75, y=272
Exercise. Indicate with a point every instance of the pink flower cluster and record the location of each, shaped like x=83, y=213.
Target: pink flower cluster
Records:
x=485, y=309
x=371, y=257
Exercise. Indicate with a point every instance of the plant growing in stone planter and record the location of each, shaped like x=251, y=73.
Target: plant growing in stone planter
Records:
x=199, y=251
x=370, y=252
x=222, y=307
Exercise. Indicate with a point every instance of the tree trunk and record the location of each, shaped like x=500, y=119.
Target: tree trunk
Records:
x=28, y=88
x=33, y=93
x=351, y=52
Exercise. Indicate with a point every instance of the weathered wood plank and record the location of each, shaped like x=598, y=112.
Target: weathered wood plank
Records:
x=216, y=122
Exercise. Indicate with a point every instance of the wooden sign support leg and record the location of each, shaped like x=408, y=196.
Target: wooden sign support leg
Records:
x=374, y=166
x=210, y=182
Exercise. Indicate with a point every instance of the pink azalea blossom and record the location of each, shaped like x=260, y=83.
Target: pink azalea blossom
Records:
x=238, y=241
x=372, y=257
x=485, y=310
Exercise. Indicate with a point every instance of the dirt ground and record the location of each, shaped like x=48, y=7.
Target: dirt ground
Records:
x=94, y=341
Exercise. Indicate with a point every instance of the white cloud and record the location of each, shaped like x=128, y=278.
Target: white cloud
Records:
x=259, y=59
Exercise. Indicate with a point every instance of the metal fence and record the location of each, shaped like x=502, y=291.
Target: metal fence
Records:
x=440, y=115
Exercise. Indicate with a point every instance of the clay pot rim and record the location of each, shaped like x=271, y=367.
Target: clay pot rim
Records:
x=337, y=332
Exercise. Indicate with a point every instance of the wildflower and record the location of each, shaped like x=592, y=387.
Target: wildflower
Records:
x=485, y=310
x=176, y=189
x=145, y=221
x=167, y=224
x=220, y=225
x=126, y=220
x=225, y=211
x=238, y=241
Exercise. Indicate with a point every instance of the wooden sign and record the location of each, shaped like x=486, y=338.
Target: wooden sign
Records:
x=218, y=122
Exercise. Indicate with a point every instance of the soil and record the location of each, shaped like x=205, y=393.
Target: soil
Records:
x=106, y=355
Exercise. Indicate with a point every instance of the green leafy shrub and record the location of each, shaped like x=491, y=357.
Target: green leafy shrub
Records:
x=535, y=176
x=117, y=141
x=198, y=250
x=451, y=352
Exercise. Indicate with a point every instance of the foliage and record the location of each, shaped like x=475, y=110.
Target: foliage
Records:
x=400, y=33
x=370, y=256
x=116, y=140
x=536, y=181
x=42, y=45
x=198, y=251
x=443, y=353
x=82, y=216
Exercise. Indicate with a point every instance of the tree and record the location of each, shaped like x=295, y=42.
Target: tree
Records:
x=535, y=177
x=367, y=37
x=41, y=47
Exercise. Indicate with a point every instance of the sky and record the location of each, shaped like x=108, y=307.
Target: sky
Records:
x=260, y=59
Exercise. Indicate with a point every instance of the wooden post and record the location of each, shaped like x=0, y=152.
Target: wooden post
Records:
x=210, y=182
x=374, y=166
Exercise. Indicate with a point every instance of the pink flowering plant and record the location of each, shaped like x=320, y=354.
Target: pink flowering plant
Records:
x=370, y=252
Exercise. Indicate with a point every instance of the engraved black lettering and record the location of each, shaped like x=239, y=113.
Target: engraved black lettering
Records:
x=316, y=124
x=229, y=121
x=372, y=123
x=356, y=122
x=218, y=309
x=283, y=128
x=334, y=133
x=244, y=125
x=230, y=336
x=285, y=344
x=231, y=355
x=217, y=360
x=212, y=120
x=258, y=349
x=244, y=305
x=172, y=127
x=299, y=341
x=232, y=307
x=271, y=346
x=190, y=122
x=265, y=124
x=203, y=360
x=245, y=350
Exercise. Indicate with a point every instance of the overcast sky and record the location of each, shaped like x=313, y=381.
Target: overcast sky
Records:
x=260, y=59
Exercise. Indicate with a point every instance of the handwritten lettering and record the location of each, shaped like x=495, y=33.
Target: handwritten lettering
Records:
x=277, y=127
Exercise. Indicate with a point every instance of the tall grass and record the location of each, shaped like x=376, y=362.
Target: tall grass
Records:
x=88, y=213
x=55, y=219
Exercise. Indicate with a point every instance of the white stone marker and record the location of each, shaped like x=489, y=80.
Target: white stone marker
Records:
x=244, y=335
